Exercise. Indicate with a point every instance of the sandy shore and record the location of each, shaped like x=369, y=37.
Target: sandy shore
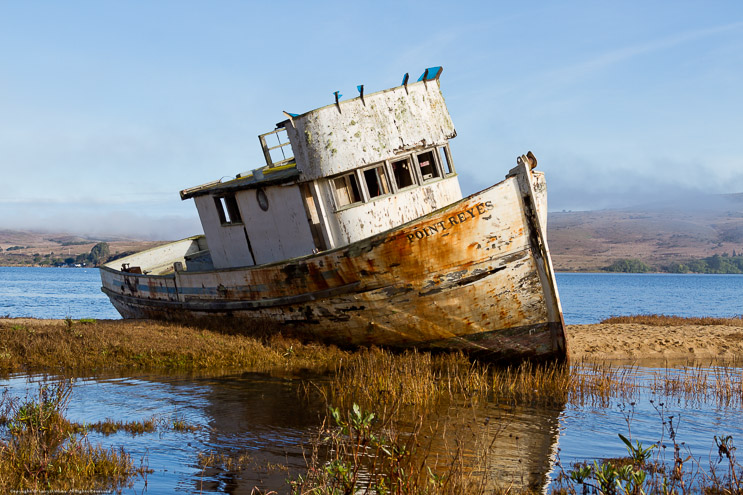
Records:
x=635, y=342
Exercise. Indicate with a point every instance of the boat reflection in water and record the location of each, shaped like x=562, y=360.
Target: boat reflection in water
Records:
x=262, y=425
x=499, y=446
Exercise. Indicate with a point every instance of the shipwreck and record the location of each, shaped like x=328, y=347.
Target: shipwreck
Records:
x=355, y=232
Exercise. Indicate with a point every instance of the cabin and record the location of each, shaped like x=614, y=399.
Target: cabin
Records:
x=333, y=176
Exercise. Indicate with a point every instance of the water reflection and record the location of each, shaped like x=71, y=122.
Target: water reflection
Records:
x=260, y=423
x=503, y=445
x=254, y=429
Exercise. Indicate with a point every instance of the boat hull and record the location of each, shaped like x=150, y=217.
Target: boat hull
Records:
x=475, y=275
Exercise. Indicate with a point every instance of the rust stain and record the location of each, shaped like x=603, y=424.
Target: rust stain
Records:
x=413, y=286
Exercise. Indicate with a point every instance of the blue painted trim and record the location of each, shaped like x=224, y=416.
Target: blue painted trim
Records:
x=431, y=73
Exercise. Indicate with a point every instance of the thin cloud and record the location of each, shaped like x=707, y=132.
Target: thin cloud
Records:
x=570, y=73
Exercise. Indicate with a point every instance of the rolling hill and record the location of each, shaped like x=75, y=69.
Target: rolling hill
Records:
x=658, y=233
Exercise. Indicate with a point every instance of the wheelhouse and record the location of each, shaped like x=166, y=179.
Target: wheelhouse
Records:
x=333, y=176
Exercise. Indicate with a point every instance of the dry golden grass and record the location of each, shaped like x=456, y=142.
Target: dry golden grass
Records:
x=392, y=384
x=373, y=377
x=147, y=345
x=663, y=320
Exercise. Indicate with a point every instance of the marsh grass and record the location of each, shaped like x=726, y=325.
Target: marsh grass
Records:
x=663, y=320
x=225, y=461
x=42, y=450
x=178, y=423
x=720, y=385
x=378, y=378
x=146, y=345
x=110, y=426
x=351, y=447
x=370, y=377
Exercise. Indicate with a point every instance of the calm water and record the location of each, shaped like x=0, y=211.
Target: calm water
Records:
x=585, y=297
x=261, y=415
x=592, y=297
x=53, y=293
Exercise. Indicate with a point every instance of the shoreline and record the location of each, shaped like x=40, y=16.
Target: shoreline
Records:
x=143, y=344
x=557, y=270
x=644, y=344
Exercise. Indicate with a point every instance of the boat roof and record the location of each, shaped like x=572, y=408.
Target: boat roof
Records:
x=430, y=74
x=260, y=177
x=287, y=172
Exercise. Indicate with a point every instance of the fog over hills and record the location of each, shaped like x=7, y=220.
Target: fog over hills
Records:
x=657, y=233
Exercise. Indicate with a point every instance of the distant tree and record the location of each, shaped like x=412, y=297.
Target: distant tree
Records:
x=69, y=261
x=628, y=266
x=698, y=266
x=99, y=253
x=677, y=268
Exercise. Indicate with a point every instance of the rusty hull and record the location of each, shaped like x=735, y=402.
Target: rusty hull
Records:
x=475, y=276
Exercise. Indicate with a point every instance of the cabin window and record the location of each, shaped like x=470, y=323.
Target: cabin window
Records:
x=427, y=166
x=227, y=210
x=313, y=217
x=445, y=160
x=376, y=181
x=403, y=173
x=346, y=190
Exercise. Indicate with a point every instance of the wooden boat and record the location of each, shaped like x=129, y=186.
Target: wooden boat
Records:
x=362, y=238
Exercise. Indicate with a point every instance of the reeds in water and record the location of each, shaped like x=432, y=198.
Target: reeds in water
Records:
x=41, y=450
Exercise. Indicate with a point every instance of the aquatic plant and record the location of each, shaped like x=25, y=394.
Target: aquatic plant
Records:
x=42, y=450
x=647, y=470
x=110, y=426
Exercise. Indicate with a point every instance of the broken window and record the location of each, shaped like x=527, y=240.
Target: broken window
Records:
x=227, y=210
x=403, y=173
x=346, y=190
x=427, y=166
x=445, y=160
x=376, y=181
x=313, y=217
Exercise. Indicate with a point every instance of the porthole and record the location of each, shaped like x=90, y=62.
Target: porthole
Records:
x=260, y=195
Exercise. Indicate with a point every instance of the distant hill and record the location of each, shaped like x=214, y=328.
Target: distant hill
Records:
x=22, y=248
x=658, y=234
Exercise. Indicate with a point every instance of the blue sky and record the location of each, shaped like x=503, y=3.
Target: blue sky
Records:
x=108, y=109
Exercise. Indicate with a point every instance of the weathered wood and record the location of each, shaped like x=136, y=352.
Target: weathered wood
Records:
x=410, y=263
x=474, y=276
